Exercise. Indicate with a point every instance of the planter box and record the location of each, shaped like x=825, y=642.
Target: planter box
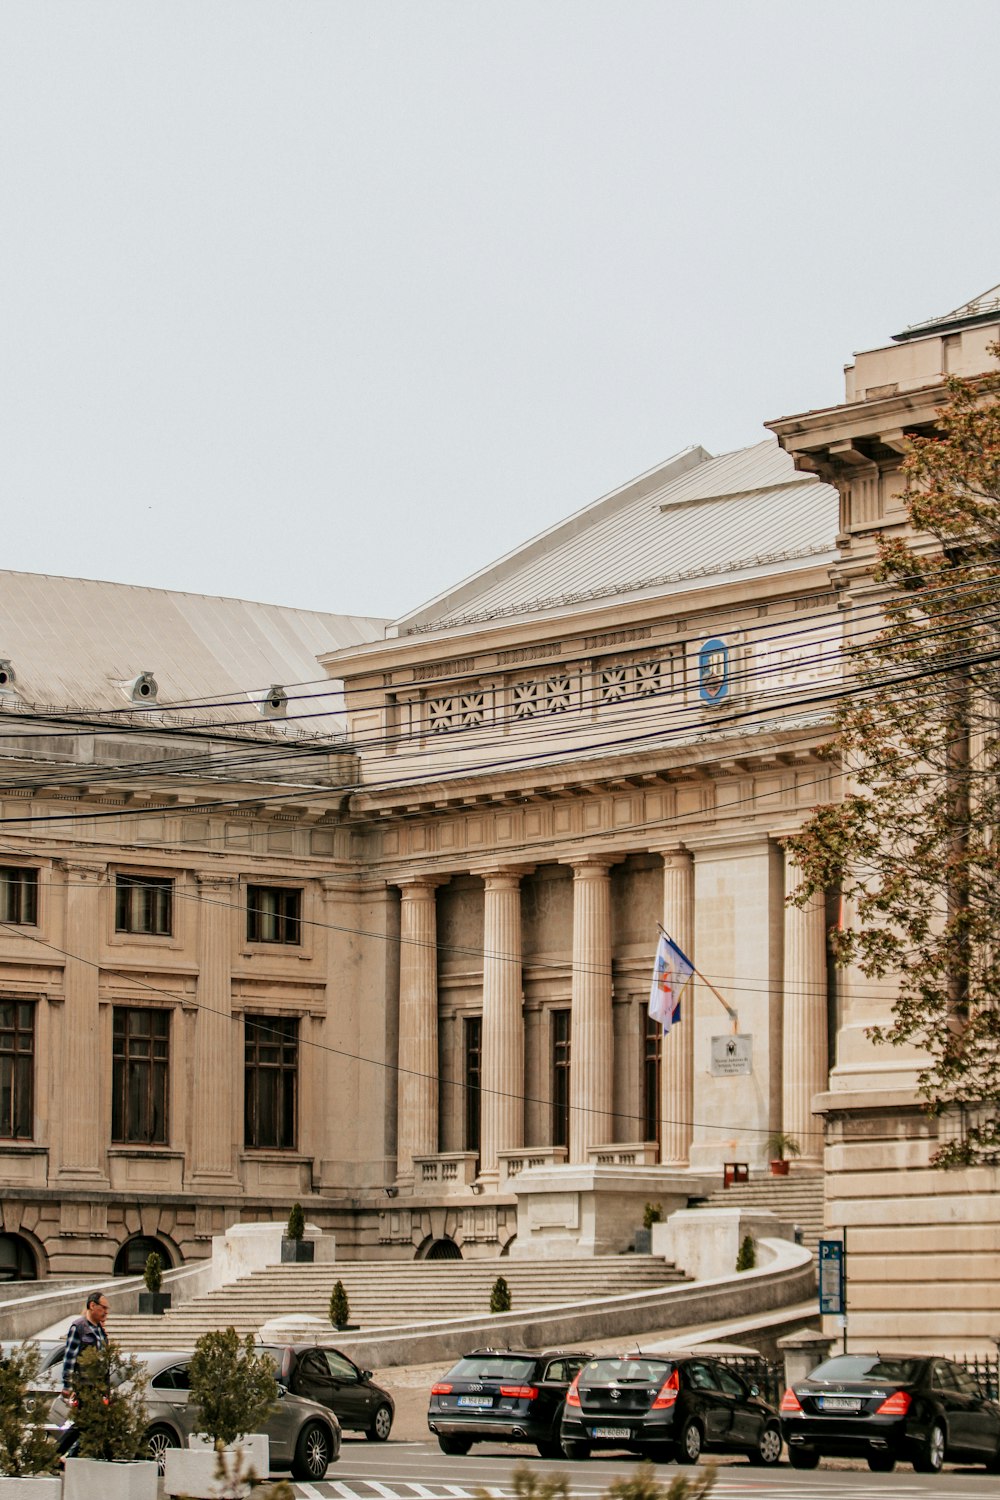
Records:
x=642, y=1241
x=92, y=1479
x=193, y=1471
x=297, y=1252
x=154, y=1302
x=779, y=1167
x=37, y=1487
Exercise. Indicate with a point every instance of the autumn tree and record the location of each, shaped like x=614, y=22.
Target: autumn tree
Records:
x=913, y=846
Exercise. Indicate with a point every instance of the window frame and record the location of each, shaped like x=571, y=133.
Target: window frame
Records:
x=560, y=1065
x=472, y=1079
x=139, y=1066
x=23, y=893
x=288, y=923
x=130, y=920
x=17, y=1076
x=256, y=1071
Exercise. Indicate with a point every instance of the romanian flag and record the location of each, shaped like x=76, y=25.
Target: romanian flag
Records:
x=671, y=972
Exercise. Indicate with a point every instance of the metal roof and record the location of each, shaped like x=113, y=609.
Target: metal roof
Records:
x=745, y=513
x=76, y=645
x=982, y=309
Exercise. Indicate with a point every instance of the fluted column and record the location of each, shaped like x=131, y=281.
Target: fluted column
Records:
x=592, y=1039
x=805, y=1066
x=216, y=1127
x=502, y=1076
x=677, y=1050
x=417, y=1118
x=84, y=1132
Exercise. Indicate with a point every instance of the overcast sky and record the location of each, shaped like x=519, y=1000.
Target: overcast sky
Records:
x=330, y=304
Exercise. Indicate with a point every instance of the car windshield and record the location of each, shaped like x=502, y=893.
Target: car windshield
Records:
x=631, y=1369
x=492, y=1367
x=867, y=1367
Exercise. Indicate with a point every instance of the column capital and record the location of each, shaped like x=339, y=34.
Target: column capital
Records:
x=674, y=854
x=592, y=864
x=80, y=870
x=504, y=877
x=215, y=877
x=410, y=885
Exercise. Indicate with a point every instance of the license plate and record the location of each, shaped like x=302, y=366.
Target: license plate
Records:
x=611, y=1432
x=475, y=1400
x=839, y=1403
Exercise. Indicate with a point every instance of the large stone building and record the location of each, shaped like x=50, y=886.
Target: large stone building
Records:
x=400, y=972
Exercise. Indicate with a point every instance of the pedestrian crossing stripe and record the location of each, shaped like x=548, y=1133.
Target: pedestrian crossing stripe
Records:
x=830, y=1483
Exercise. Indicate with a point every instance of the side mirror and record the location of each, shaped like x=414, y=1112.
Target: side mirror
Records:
x=366, y=1374
x=755, y=1390
x=282, y=1391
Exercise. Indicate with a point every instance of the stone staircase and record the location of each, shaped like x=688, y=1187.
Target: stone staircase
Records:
x=393, y=1294
x=795, y=1199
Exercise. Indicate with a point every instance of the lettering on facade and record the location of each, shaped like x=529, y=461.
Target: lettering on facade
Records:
x=732, y=1056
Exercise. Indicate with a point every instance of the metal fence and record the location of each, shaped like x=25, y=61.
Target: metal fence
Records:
x=766, y=1374
x=984, y=1368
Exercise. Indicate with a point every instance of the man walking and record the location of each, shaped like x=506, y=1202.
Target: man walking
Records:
x=86, y=1332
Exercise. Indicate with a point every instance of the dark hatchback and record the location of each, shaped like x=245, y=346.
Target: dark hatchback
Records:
x=503, y=1396
x=890, y=1408
x=668, y=1408
x=321, y=1373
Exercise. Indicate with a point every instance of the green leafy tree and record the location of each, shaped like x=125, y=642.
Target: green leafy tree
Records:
x=296, y=1227
x=746, y=1256
x=340, y=1307
x=233, y=1386
x=652, y=1213
x=153, y=1274
x=500, y=1296
x=913, y=845
x=24, y=1448
x=109, y=1412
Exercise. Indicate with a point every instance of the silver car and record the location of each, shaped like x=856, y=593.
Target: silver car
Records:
x=303, y=1436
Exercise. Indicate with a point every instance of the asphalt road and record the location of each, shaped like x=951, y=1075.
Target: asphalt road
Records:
x=418, y=1470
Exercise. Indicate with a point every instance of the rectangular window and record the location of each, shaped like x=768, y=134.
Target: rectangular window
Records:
x=143, y=905
x=560, y=1077
x=139, y=1067
x=17, y=1069
x=473, y=1038
x=271, y=1068
x=652, y=1042
x=273, y=914
x=19, y=896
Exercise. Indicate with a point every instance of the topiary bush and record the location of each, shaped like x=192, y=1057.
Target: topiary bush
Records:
x=652, y=1213
x=296, y=1227
x=233, y=1387
x=109, y=1412
x=340, y=1308
x=500, y=1296
x=746, y=1259
x=24, y=1448
x=153, y=1274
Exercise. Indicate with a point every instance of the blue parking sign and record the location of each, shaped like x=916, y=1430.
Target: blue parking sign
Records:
x=831, y=1277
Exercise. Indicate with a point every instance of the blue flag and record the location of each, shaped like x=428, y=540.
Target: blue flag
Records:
x=671, y=972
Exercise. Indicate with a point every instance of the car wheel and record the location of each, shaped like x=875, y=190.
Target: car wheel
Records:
x=455, y=1447
x=574, y=1449
x=313, y=1452
x=158, y=1440
x=881, y=1463
x=381, y=1425
x=768, y=1449
x=930, y=1455
x=689, y=1444
x=993, y=1464
x=549, y=1448
x=803, y=1458
x=660, y=1453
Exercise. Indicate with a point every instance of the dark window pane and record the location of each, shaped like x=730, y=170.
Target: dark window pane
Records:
x=270, y=1082
x=560, y=1077
x=17, y=1069
x=139, y=1076
x=19, y=896
x=652, y=1040
x=143, y=905
x=473, y=1056
x=273, y=914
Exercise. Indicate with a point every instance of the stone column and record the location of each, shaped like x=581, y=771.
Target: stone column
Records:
x=804, y=1062
x=216, y=1124
x=677, y=1050
x=84, y=1128
x=502, y=1079
x=592, y=1041
x=417, y=1082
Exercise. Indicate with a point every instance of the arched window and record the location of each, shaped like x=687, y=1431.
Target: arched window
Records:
x=443, y=1250
x=131, y=1258
x=17, y=1259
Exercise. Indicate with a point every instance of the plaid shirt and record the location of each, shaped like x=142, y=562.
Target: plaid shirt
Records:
x=83, y=1334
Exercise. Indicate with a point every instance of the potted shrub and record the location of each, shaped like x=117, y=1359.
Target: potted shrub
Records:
x=109, y=1414
x=27, y=1453
x=340, y=1307
x=746, y=1256
x=779, y=1148
x=232, y=1392
x=642, y=1243
x=294, y=1246
x=152, y=1300
x=500, y=1296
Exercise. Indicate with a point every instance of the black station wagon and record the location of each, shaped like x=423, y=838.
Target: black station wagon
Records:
x=503, y=1396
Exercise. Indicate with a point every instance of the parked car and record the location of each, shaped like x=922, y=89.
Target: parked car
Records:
x=321, y=1373
x=890, y=1408
x=503, y=1396
x=47, y=1384
x=668, y=1407
x=303, y=1436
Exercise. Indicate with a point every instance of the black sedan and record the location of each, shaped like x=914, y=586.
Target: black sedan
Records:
x=321, y=1373
x=505, y=1396
x=918, y=1409
x=670, y=1407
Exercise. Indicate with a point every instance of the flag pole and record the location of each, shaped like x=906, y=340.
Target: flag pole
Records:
x=732, y=1014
